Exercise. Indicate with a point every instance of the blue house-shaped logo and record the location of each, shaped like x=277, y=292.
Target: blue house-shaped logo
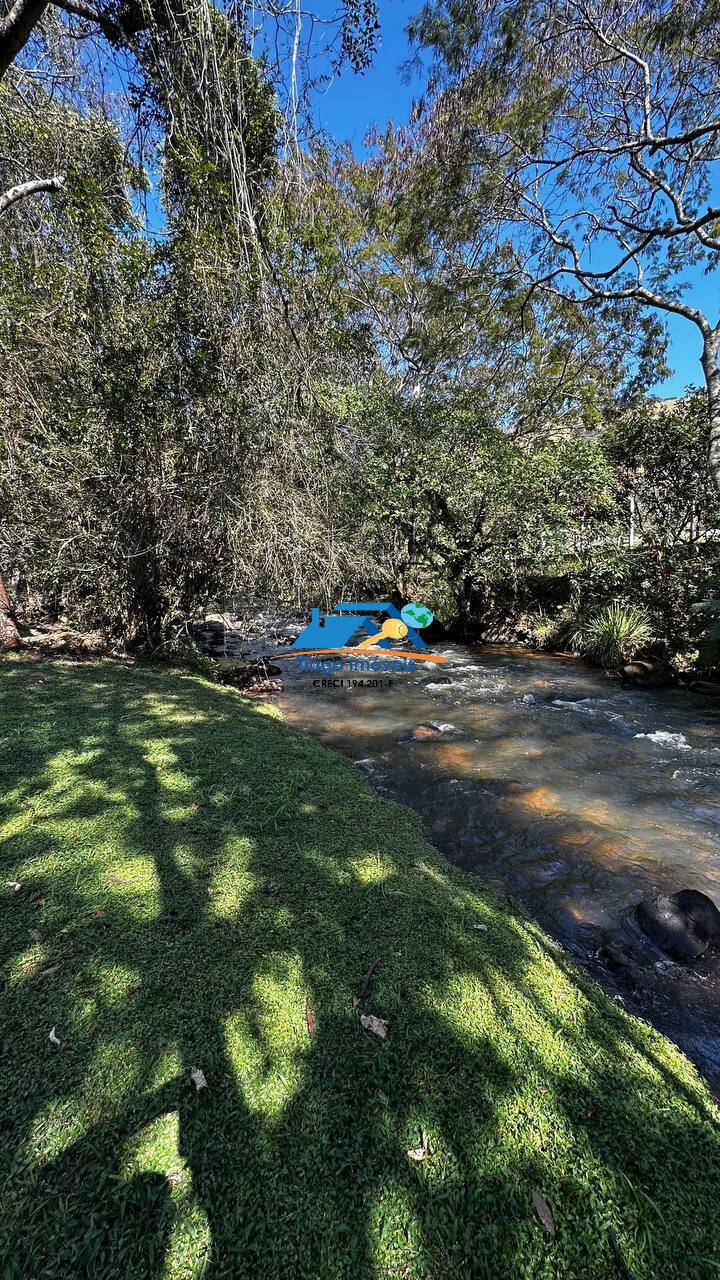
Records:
x=335, y=631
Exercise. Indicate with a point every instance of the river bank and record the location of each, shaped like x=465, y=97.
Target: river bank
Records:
x=253, y=1022
x=554, y=783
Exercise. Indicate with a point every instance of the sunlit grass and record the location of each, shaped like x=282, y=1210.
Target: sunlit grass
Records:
x=206, y=888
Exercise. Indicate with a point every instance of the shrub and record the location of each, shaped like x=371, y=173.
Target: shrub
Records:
x=547, y=632
x=709, y=640
x=615, y=634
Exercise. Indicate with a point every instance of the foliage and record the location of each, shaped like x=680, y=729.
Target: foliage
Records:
x=660, y=453
x=146, y=388
x=708, y=612
x=615, y=634
x=310, y=373
x=195, y=903
x=455, y=508
x=593, y=132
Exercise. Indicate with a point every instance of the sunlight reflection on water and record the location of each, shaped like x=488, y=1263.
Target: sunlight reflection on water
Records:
x=576, y=795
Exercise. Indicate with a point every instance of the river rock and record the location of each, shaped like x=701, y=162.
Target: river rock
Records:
x=425, y=732
x=254, y=679
x=619, y=963
x=263, y=688
x=709, y=687
x=648, y=673
x=682, y=924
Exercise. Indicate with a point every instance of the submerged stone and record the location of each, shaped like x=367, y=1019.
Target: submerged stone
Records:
x=425, y=732
x=682, y=924
x=648, y=673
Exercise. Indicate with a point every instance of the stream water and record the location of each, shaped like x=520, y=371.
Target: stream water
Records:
x=562, y=788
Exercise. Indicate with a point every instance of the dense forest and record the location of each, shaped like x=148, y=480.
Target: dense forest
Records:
x=241, y=361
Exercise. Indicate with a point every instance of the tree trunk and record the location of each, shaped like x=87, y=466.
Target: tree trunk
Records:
x=16, y=27
x=710, y=354
x=9, y=634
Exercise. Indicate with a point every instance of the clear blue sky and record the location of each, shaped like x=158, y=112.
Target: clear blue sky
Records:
x=352, y=104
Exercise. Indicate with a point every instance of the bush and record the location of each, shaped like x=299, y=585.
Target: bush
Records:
x=709, y=639
x=615, y=634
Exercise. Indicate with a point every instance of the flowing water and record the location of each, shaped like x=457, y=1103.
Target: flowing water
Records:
x=562, y=788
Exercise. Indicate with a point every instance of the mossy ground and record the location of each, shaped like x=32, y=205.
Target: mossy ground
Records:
x=197, y=876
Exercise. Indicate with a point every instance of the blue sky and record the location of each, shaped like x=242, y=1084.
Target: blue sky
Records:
x=351, y=104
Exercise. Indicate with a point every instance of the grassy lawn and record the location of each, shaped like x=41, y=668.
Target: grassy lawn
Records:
x=203, y=887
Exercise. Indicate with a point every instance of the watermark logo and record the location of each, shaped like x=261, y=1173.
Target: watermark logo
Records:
x=365, y=637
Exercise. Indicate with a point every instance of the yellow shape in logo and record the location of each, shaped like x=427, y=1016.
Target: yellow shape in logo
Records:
x=392, y=629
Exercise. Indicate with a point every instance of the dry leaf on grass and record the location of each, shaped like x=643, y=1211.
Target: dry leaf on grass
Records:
x=310, y=1020
x=55, y=1039
x=543, y=1212
x=35, y=934
x=378, y=1026
x=419, y=1153
x=198, y=1079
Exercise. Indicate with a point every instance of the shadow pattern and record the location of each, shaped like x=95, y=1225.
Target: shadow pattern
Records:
x=205, y=889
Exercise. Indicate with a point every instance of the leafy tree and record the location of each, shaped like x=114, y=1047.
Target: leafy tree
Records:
x=453, y=510
x=597, y=128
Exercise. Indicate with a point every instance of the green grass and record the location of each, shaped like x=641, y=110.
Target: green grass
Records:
x=198, y=874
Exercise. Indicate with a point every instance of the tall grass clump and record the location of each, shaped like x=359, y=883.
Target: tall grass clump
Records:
x=615, y=634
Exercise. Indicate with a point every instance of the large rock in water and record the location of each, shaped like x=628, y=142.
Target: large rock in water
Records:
x=650, y=673
x=425, y=732
x=682, y=924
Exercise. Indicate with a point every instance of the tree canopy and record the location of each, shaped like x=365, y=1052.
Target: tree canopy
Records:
x=239, y=360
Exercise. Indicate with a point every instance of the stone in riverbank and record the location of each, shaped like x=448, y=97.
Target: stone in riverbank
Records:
x=257, y=679
x=682, y=924
x=648, y=674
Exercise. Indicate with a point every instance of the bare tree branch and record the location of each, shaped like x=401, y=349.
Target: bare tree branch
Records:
x=31, y=188
x=114, y=31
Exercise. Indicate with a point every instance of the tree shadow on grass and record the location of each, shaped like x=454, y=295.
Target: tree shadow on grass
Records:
x=209, y=888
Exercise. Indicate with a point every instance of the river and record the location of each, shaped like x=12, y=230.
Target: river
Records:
x=561, y=788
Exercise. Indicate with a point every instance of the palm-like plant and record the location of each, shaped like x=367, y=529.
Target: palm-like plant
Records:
x=615, y=634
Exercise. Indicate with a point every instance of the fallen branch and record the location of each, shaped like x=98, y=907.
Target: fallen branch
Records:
x=358, y=999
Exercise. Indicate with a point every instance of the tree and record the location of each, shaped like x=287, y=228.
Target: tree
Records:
x=154, y=36
x=447, y=306
x=172, y=367
x=9, y=635
x=452, y=510
x=599, y=124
